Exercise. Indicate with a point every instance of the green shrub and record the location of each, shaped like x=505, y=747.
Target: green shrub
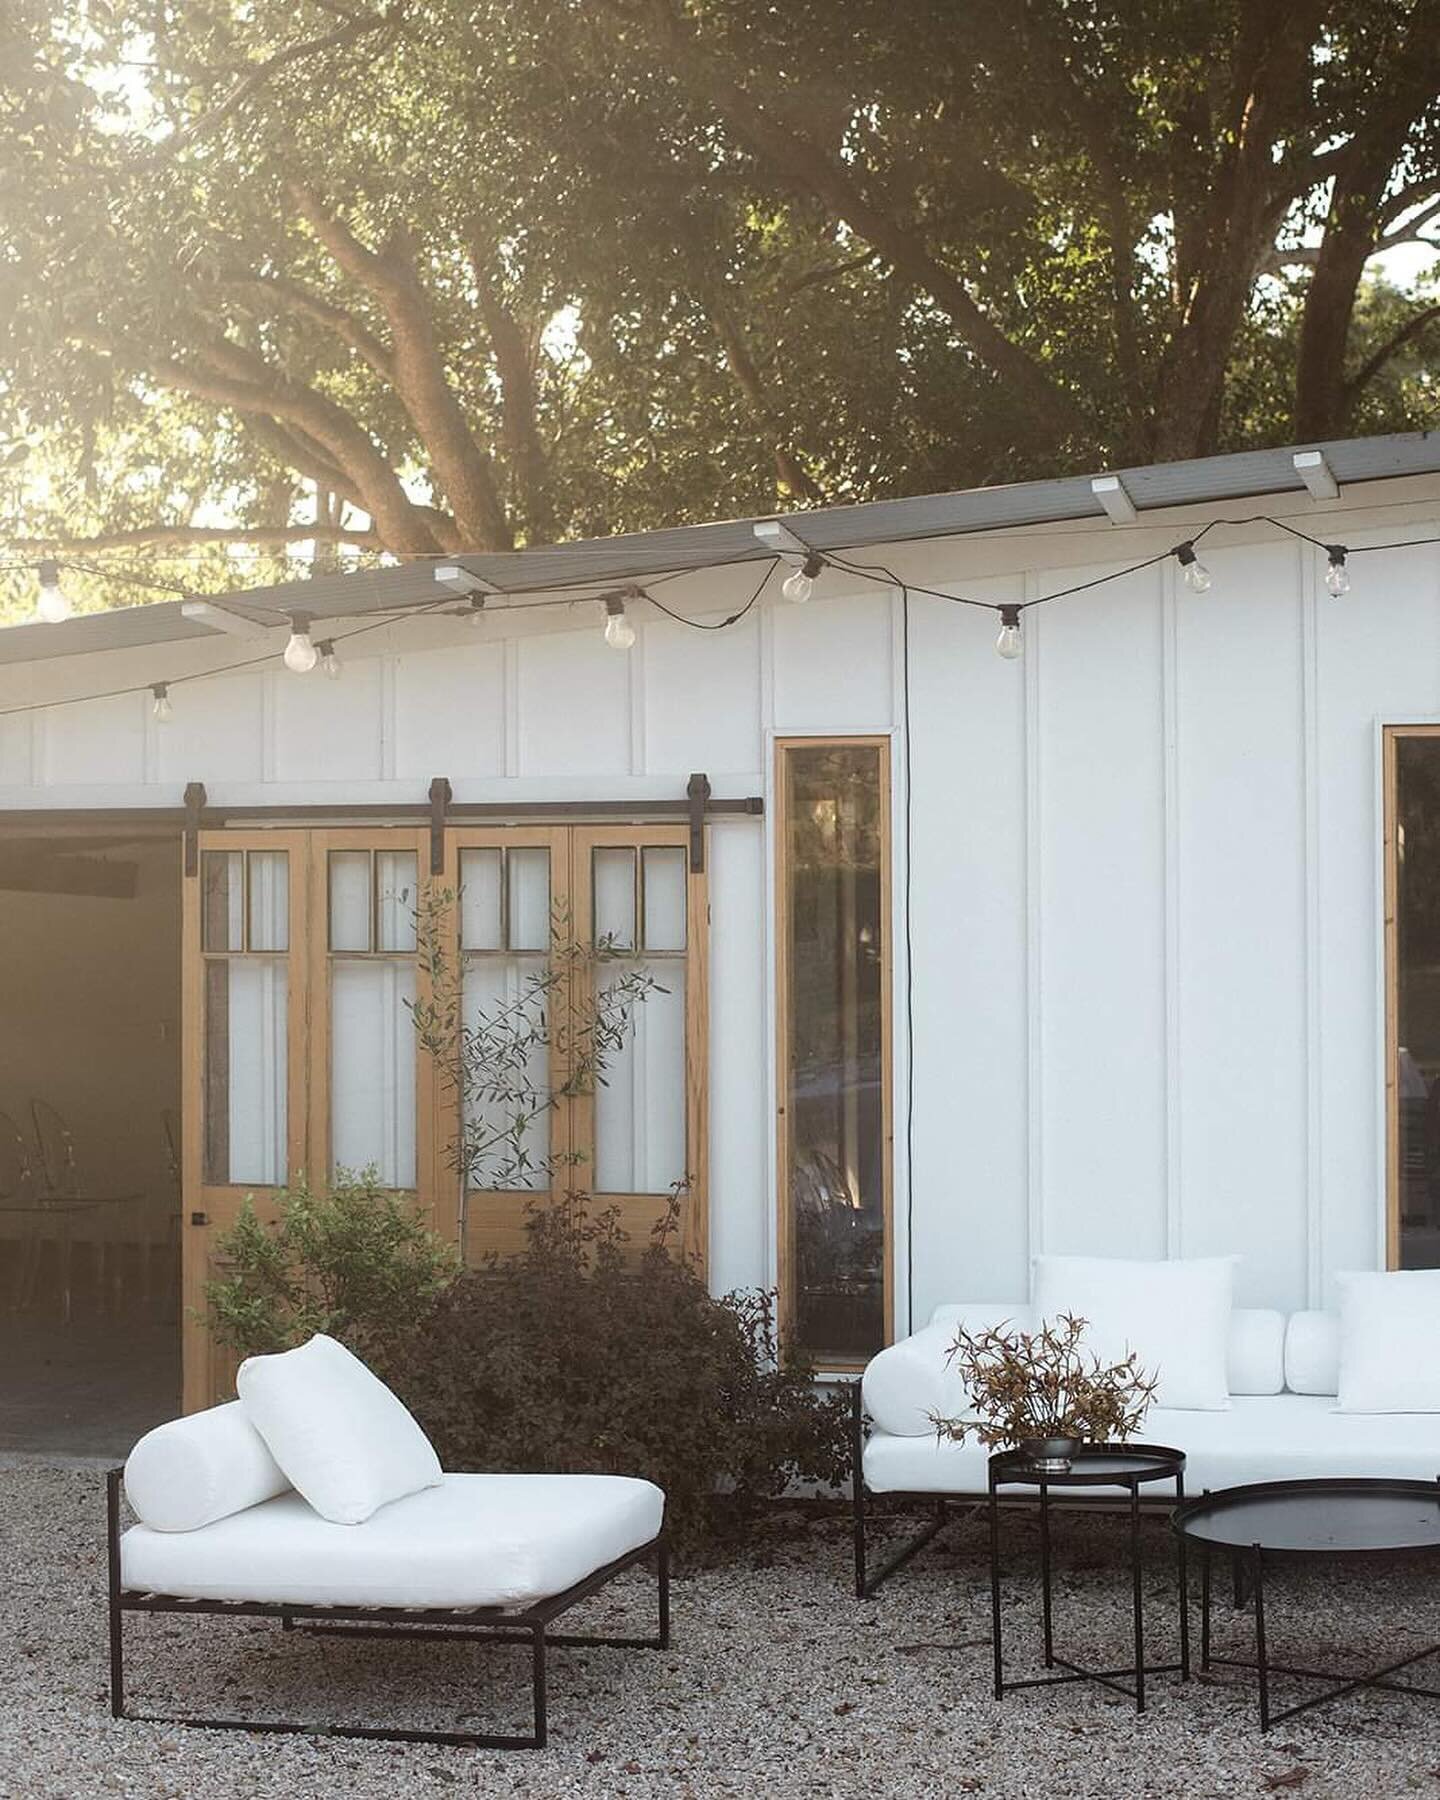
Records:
x=581, y=1355
x=355, y=1263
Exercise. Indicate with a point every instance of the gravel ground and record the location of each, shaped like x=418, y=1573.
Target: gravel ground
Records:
x=778, y=1683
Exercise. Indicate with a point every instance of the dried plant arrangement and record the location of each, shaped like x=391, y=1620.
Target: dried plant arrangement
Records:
x=1042, y=1387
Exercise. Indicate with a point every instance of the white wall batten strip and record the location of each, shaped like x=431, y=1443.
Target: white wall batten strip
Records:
x=1171, y=851
x=1034, y=917
x=1380, y=1212
x=635, y=698
x=1313, y=874
x=389, y=714
x=901, y=1262
x=510, y=701
x=269, y=759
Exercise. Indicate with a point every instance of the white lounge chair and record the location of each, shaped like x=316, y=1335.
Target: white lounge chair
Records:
x=223, y=1530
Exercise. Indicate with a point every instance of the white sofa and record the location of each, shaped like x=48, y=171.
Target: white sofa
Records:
x=1281, y=1423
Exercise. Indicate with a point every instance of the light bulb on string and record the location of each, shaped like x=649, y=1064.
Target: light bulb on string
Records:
x=619, y=632
x=160, y=709
x=53, y=604
x=1009, y=643
x=1337, y=576
x=475, y=616
x=799, y=584
x=301, y=655
x=329, y=660
x=1197, y=576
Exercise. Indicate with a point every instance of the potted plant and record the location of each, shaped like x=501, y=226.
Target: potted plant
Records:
x=1041, y=1393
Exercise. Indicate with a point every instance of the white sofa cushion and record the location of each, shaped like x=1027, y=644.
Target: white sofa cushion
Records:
x=1255, y=1356
x=343, y=1439
x=1390, y=1342
x=475, y=1540
x=1279, y=1437
x=190, y=1472
x=1312, y=1353
x=1175, y=1317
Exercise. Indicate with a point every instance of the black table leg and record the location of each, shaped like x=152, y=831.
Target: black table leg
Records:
x=1261, y=1662
x=1138, y=1596
x=1045, y=1575
x=1183, y=1576
x=1204, y=1605
x=995, y=1591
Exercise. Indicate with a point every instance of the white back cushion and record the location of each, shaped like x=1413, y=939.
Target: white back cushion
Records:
x=1312, y=1353
x=191, y=1472
x=340, y=1435
x=1255, y=1361
x=1175, y=1316
x=1390, y=1342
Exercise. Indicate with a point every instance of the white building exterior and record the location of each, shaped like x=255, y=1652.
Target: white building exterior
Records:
x=1143, y=1012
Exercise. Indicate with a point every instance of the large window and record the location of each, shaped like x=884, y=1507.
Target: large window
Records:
x=1412, y=945
x=833, y=874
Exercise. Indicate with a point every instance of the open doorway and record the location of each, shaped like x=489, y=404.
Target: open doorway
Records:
x=89, y=1137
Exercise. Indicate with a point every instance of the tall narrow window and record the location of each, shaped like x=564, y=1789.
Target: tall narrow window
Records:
x=245, y=938
x=834, y=1051
x=1412, y=910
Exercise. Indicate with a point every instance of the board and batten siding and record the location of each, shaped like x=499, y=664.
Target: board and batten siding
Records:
x=1144, y=865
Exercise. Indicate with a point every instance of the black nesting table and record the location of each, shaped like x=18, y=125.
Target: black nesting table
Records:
x=1125, y=1466
x=1273, y=1520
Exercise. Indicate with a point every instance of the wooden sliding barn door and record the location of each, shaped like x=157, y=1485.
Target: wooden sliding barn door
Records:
x=304, y=953
x=245, y=1116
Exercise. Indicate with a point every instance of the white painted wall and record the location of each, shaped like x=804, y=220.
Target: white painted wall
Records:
x=1146, y=1002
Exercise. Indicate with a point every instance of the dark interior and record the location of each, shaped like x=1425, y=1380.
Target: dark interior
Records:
x=89, y=1138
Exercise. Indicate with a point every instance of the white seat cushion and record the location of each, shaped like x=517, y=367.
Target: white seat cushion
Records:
x=340, y=1435
x=190, y=1472
x=476, y=1540
x=1390, y=1342
x=1281, y=1437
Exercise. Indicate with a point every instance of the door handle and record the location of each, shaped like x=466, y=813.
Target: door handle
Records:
x=199, y=1218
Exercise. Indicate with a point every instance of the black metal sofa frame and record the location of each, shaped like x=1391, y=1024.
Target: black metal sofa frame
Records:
x=494, y=1624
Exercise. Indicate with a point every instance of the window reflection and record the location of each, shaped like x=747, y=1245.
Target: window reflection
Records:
x=835, y=867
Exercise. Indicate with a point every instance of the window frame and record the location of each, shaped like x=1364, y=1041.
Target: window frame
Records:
x=780, y=810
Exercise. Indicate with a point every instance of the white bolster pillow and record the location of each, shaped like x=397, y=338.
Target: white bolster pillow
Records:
x=1312, y=1353
x=191, y=1472
x=913, y=1380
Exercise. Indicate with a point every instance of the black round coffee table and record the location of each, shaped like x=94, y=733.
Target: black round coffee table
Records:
x=1271, y=1520
x=1125, y=1466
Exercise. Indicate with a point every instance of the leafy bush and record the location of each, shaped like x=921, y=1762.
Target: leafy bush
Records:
x=580, y=1354
x=356, y=1263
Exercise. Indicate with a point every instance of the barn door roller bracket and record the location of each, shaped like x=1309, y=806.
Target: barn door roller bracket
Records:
x=194, y=816
x=697, y=792
x=441, y=794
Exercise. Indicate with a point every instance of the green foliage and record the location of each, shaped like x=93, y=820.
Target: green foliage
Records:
x=672, y=262
x=355, y=1263
x=581, y=1355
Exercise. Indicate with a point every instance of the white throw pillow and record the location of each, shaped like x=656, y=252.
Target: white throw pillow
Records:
x=337, y=1431
x=1390, y=1342
x=1175, y=1316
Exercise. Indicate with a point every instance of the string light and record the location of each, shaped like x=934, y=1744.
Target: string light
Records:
x=1197, y=576
x=1337, y=576
x=619, y=632
x=53, y=605
x=799, y=584
x=301, y=655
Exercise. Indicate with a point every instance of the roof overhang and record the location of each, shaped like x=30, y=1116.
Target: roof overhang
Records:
x=557, y=569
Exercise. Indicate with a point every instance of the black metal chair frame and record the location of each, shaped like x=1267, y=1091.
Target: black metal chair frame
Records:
x=867, y=1584
x=493, y=1624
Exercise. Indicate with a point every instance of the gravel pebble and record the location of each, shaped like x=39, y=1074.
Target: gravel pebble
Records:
x=778, y=1683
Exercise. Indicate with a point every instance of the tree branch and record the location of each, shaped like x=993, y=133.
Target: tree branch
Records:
x=792, y=478
x=322, y=312
x=1373, y=364
x=514, y=355
x=421, y=381
x=144, y=536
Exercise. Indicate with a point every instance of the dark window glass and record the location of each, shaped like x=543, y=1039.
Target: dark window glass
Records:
x=1416, y=1072
x=835, y=866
